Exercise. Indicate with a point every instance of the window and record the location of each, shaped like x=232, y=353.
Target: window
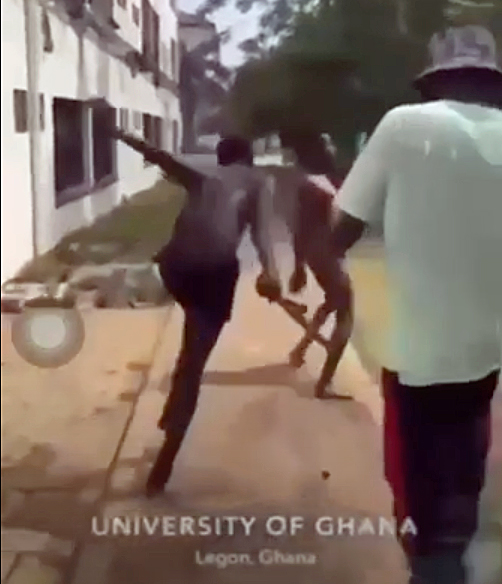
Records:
x=152, y=128
x=124, y=119
x=20, y=111
x=103, y=146
x=174, y=59
x=42, y=111
x=84, y=152
x=150, y=35
x=176, y=130
x=137, y=119
x=156, y=40
x=68, y=144
x=165, y=58
x=148, y=132
x=122, y=3
x=135, y=14
x=158, y=132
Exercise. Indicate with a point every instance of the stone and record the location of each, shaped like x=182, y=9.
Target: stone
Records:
x=93, y=564
x=12, y=305
x=13, y=501
x=8, y=559
x=123, y=478
x=30, y=570
x=114, y=292
x=28, y=541
x=86, y=300
x=59, y=547
x=51, y=302
x=24, y=540
x=89, y=495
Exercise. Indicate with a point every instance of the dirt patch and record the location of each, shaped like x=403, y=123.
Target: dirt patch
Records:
x=132, y=232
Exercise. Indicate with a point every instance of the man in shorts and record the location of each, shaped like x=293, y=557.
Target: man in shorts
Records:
x=311, y=228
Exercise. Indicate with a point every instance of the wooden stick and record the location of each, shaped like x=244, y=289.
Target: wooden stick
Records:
x=297, y=312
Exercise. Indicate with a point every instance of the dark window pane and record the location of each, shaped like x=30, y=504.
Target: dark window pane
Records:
x=42, y=112
x=138, y=121
x=20, y=110
x=175, y=136
x=155, y=39
x=174, y=69
x=148, y=132
x=68, y=143
x=103, y=145
x=124, y=119
x=135, y=14
x=158, y=132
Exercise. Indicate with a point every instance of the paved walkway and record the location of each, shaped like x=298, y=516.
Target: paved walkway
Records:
x=78, y=442
x=60, y=432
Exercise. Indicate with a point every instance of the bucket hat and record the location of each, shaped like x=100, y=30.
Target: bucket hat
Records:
x=466, y=47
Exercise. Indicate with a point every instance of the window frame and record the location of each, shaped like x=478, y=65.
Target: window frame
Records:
x=89, y=183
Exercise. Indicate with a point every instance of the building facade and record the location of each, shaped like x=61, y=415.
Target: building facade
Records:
x=60, y=171
x=196, y=32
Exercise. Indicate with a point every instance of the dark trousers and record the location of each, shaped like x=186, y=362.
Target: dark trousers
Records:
x=200, y=335
x=436, y=442
x=206, y=295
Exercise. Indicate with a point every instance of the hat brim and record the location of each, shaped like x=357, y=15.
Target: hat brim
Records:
x=431, y=71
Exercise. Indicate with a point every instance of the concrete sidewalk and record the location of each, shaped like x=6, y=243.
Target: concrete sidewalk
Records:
x=258, y=447
x=78, y=443
x=60, y=432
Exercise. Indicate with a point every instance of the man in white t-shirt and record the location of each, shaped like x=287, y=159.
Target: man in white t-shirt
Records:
x=432, y=174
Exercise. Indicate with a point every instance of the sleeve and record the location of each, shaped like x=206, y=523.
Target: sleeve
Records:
x=364, y=191
x=262, y=225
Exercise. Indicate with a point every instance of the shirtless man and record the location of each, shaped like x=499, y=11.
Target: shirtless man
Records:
x=311, y=227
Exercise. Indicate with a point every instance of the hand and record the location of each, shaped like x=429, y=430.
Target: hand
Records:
x=298, y=280
x=268, y=287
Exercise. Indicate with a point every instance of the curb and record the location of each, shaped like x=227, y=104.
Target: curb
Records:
x=79, y=569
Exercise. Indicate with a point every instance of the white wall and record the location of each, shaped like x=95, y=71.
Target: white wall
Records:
x=129, y=30
x=17, y=244
x=78, y=68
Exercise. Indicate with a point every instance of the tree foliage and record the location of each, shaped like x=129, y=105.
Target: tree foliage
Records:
x=337, y=65
x=202, y=79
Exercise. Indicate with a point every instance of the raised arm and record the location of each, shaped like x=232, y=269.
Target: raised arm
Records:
x=188, y=177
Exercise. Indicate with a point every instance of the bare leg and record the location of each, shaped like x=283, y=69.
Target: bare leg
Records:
x=338, y=342
x=297, y=355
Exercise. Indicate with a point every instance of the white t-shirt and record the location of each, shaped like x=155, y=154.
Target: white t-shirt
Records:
x=432, y=173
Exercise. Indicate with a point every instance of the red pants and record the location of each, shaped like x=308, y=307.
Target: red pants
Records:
x=436, y=442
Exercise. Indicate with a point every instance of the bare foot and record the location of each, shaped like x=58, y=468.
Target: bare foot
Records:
x=324, y=394
x=297, y=359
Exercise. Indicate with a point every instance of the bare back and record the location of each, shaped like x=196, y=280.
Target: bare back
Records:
x=307, y=206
